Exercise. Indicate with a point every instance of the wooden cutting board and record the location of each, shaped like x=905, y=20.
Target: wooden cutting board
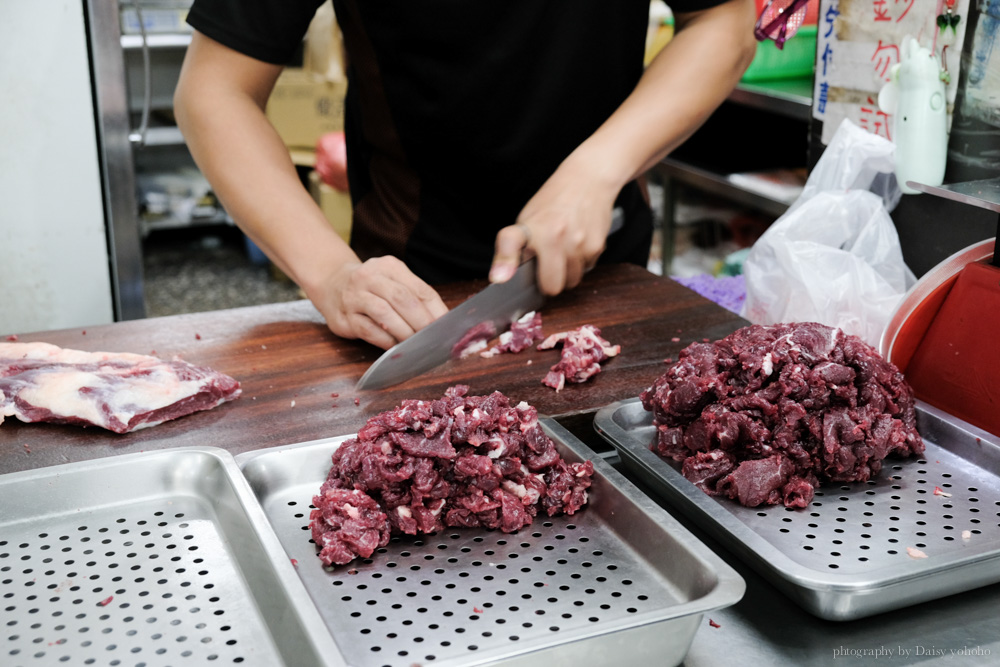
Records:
x=291, y=366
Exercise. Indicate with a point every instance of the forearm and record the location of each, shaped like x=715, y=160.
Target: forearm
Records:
x=679, y=90
x=252, y=174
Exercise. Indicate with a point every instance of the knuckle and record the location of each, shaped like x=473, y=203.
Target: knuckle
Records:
x=378, y=311
x=366, y=329
x=510, y=235
x=385, y=263
x=400, y=295
x=593, y=248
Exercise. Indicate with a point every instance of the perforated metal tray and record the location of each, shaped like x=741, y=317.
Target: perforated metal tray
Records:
x=620, y=582
x=162, y=558
x=845, y=556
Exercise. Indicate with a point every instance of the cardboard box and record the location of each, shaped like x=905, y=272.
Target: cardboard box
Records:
x=304, y=106
x=336, y=205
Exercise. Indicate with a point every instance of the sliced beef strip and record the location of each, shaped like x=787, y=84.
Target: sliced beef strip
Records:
x=121, y=392
x=768, y=413
x=459, y=461
x=583, y=350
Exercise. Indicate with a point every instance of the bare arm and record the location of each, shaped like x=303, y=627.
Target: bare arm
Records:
x=220, y=102
x=569, y=218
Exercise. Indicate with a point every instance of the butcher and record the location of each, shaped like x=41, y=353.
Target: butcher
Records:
x=476, y=132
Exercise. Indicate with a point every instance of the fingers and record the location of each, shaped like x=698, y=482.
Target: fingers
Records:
x=394, y=299
x=564, y=255
x=559, y=271
x=511, y=241
x=410, y=298
x=382, y=302
x=551, y=273
x=382, y=313
x=427, y=296
x=366, y=329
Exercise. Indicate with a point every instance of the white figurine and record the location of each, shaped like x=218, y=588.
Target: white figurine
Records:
x=915, y=98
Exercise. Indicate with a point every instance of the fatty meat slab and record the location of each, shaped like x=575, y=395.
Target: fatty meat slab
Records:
x=459, y=461
x=767, y=414
x=120, y=392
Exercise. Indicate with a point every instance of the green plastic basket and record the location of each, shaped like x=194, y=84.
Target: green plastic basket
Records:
x=796, y=60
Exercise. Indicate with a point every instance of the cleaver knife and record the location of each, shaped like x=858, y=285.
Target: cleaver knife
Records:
x=499, y=304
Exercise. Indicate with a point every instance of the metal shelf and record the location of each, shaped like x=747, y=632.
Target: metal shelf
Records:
x=147, y=225
x=788, y=97
x=164, y=136
x=157, y=41
x=791, y=98
x=719, y=184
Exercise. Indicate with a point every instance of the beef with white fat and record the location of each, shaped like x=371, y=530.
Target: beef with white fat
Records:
x=768, y=413
x=474, y=340
x=459, y=461
x=523, y=333
x=583, y=350
x=121, y=392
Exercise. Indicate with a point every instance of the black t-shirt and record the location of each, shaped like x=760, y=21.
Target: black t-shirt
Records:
x=457, y=111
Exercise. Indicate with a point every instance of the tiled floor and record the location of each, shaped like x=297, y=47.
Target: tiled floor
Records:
x=207, y=268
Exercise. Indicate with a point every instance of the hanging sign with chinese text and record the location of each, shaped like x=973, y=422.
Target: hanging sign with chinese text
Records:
x=858, y=42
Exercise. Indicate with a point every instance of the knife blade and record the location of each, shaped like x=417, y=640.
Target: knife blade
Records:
x=499, y=304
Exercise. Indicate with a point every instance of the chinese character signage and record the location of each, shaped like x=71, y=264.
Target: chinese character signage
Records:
x=858, y=44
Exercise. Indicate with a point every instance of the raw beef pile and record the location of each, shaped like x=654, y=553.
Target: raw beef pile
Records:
x=122, y=392
x=766, y=414
x=459, y=461
x=583, y=350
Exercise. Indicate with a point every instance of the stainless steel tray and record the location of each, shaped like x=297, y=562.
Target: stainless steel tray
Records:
x=161, y=558
x=618, y=583
x=845, y=556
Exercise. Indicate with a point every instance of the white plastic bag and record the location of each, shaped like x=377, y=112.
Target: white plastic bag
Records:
x=855, y=160
x=834, y=257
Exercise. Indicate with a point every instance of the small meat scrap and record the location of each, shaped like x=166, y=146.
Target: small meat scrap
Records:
x=583, y=350
x=713, y=624
x=121, y=392
x=966, y=535
x=106, y=601
x=458, y=461
x=474, y=340
x=346, y=524
x=767, y=414
x=915, y=553
x=522, y=334
x=938, y=491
